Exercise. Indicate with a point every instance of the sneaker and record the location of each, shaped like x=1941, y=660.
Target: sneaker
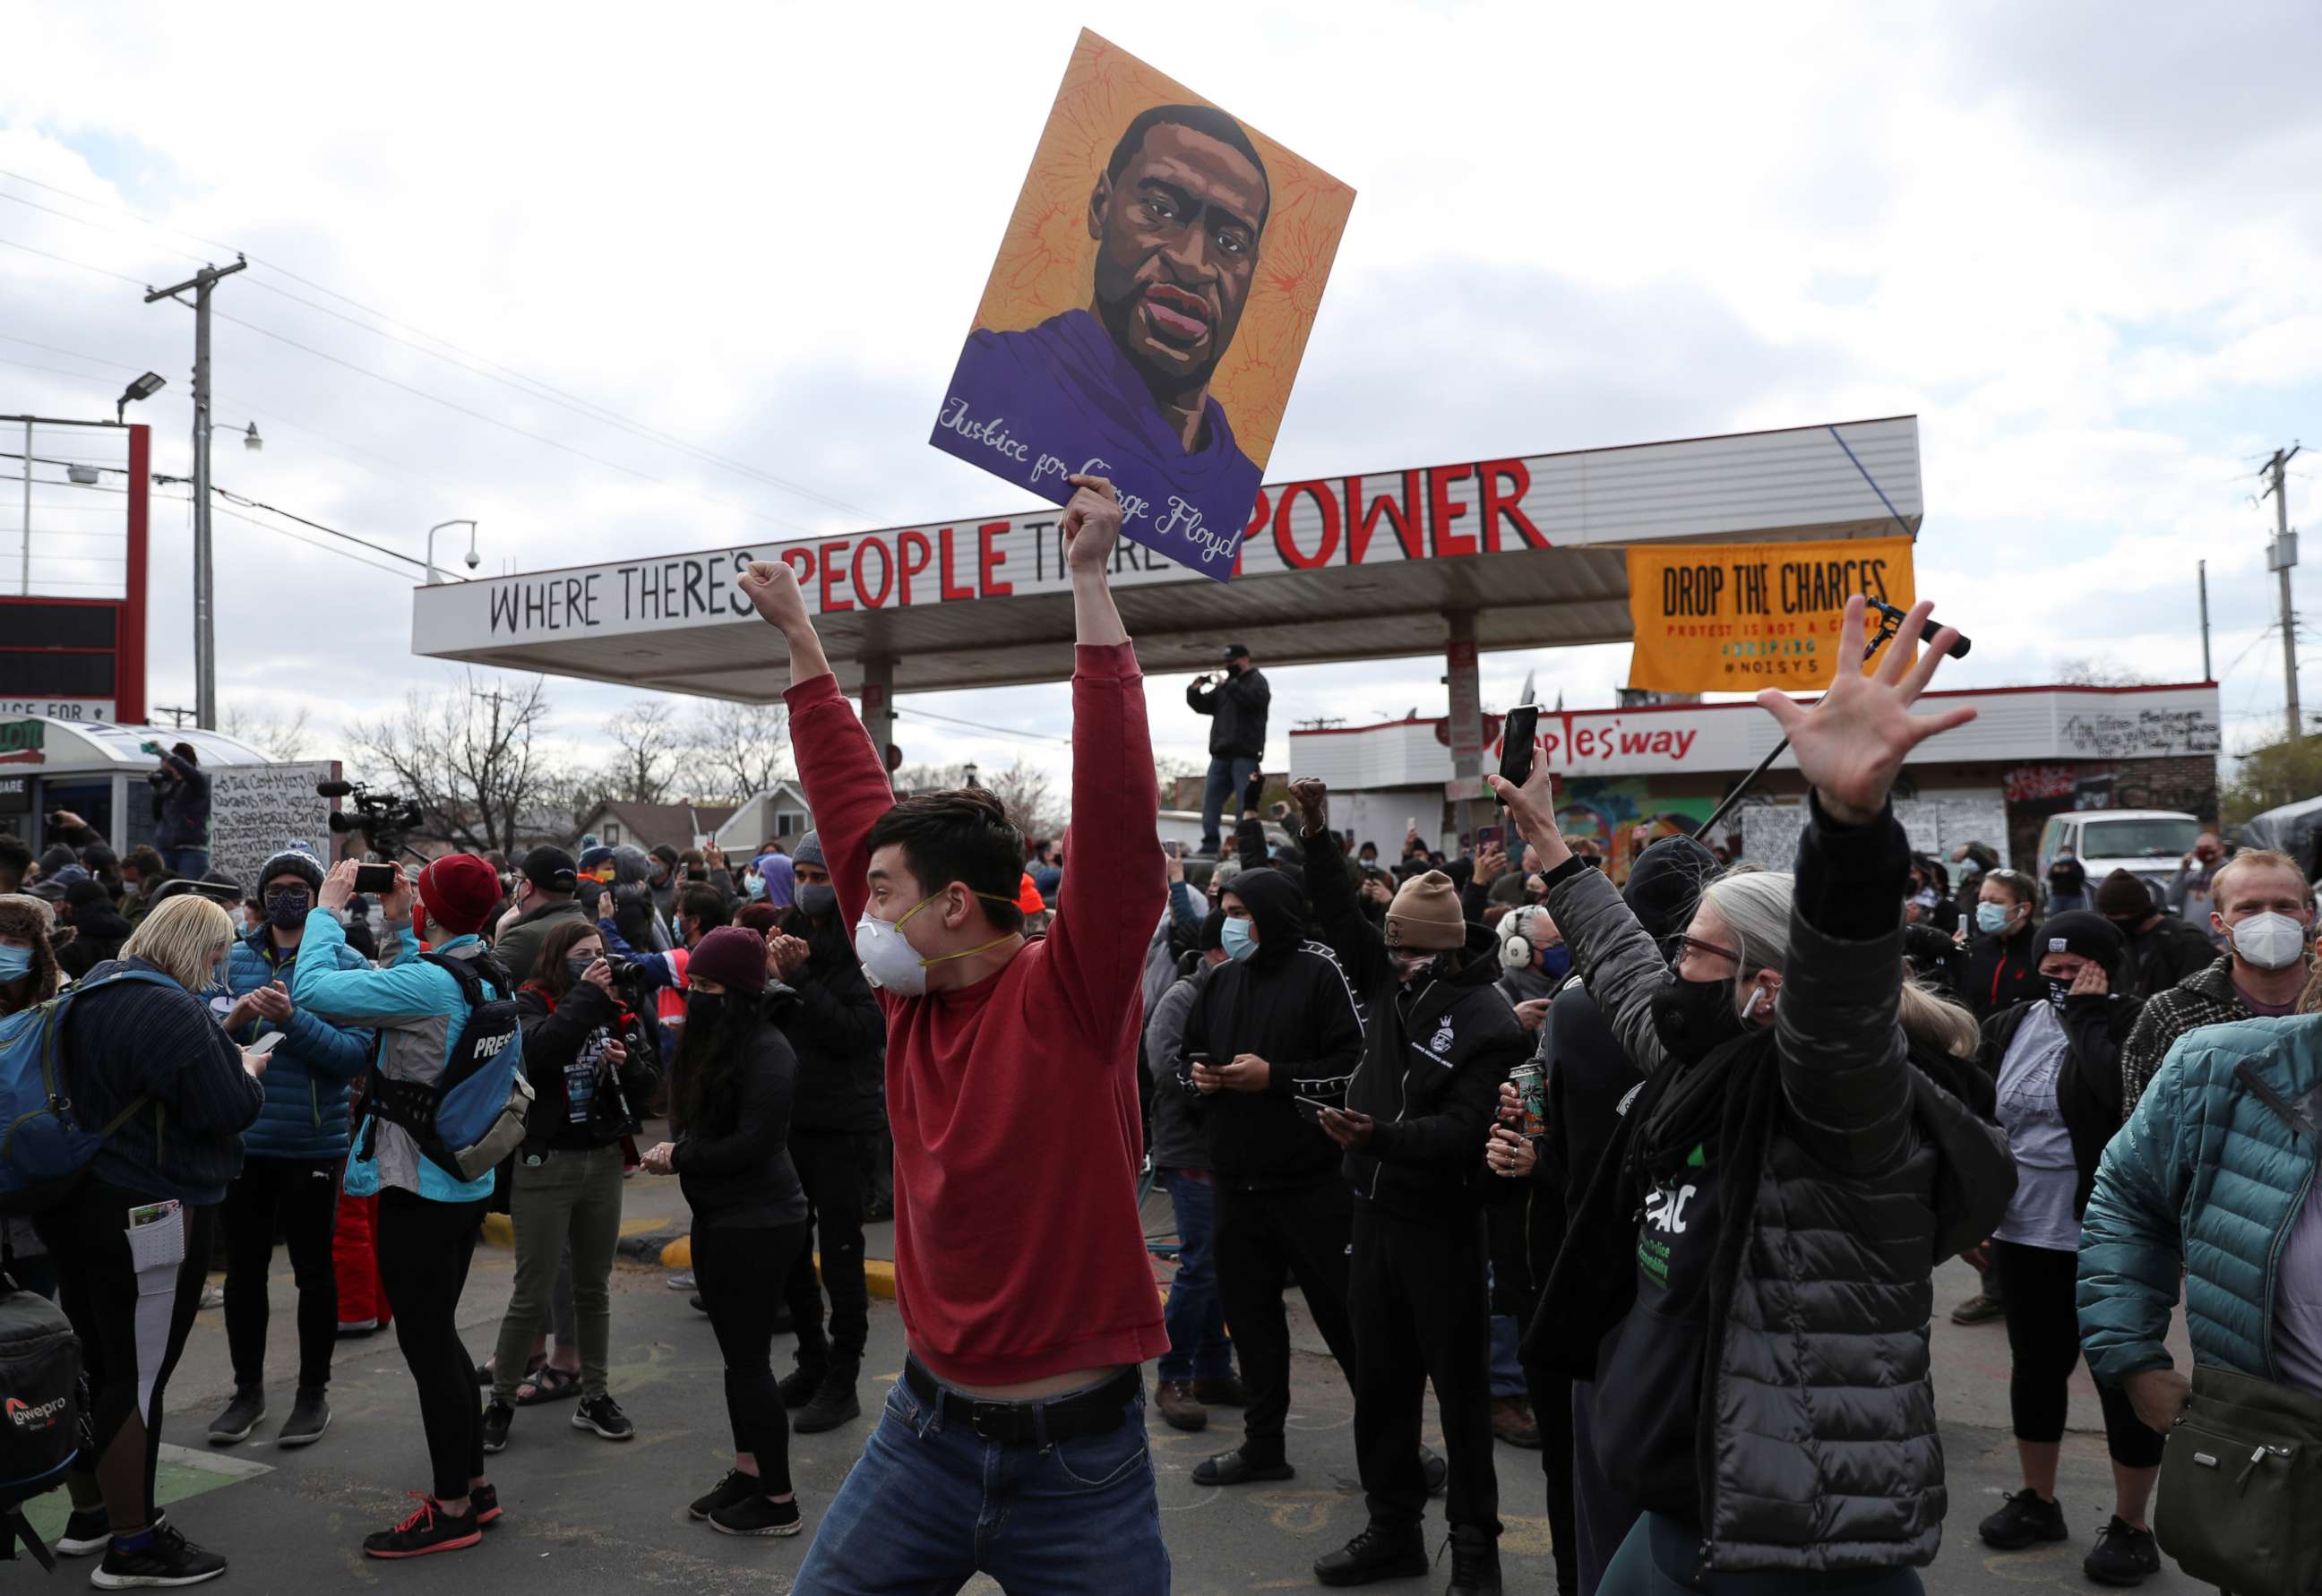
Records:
x=484, y=1504
x=2022, y=1519
x=679, y=1279
x=310, y=1416
x=497, y=1417
x=603, y=1415
x=1377, y=1554
x=87, y=1533
x=1512, y=1422
x=835, y=1403
x=734, y=1488
x=758, y=1514
x=1232, y=1468
x=213, y=1296
x=1979, y=1310
x=798, y=1387
x=165, y=1559
x=354, y=1327
x=1436, y=1472
x=2123, y=1554
x=428, y=1529
x=241, y=1417
x=1474, y=1563
x=1225, y=1393
x=1179, y=1405
x=697, y=1304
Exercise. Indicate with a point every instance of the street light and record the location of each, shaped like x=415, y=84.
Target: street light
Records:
x=145, y=388
x=967, y=773
x=475, y=559
x=251, y=441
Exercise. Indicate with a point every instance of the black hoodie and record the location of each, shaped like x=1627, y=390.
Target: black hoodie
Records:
x=1434, y=1053
x=99, y=932
x=1289, y=1004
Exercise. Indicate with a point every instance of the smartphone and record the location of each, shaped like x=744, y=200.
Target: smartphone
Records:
x=1203, y=1059
x=1521, y=730
x=377, y=878
x=1310, y=1109
x=266, y=1044
x=1490, y=837
x=1173, y=849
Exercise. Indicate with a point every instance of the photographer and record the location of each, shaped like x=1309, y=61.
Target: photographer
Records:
x=545, y=900
x=181, y=809
x=1237, y=707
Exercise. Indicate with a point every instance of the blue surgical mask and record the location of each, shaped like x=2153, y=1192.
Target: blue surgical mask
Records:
x=16, y=963
x=756, y=887
x=1240, y=941
x=1991, y=918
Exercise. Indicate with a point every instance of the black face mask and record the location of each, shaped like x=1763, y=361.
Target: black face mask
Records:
x=2058, y=990
x=1693, y=1017
x=702, y=1011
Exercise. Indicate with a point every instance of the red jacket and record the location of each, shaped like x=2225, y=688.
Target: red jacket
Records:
x=1018, y=1251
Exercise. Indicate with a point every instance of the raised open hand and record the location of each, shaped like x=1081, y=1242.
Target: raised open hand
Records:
x=1851, y=744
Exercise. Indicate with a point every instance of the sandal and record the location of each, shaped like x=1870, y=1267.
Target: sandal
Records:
x=546, y=1384
x=484, y=1370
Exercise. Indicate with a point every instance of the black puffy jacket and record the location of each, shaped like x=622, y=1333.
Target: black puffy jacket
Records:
x=1817, y=1448
x=839, y=1033
x=1289, y=1004
x=1433, y=1056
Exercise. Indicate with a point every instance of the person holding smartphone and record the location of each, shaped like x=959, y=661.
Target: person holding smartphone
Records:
x=141, y=1049
x=1274, y=1024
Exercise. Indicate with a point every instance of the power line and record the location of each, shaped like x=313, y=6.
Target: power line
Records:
x=68, y=260
x=981, y=727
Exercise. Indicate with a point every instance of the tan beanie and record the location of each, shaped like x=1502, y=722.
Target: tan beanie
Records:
x=1425, y=914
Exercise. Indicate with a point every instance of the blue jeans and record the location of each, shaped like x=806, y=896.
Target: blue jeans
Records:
x=188, y=863
x=1198, y=1345
x=929, y=1506
x=1228, y=777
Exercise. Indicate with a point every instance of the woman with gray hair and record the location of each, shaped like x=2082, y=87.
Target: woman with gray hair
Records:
x=1800, y=1165
x=142, y=1050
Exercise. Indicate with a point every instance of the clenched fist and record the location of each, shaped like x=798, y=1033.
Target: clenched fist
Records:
x=1313, y=795
x=1091, y=525
x=773, y=589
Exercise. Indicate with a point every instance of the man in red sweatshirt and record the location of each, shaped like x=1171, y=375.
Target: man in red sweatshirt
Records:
x=1014, y=1444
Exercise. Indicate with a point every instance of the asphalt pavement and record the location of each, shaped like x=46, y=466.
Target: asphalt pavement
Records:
x=586, y=1515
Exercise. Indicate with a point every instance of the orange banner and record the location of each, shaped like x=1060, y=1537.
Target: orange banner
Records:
x=1735, y=617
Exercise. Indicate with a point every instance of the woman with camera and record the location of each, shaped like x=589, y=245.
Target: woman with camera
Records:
x=567, y=1177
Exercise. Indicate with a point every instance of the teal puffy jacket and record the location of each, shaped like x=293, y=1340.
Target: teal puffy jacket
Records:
x=2208, y=1174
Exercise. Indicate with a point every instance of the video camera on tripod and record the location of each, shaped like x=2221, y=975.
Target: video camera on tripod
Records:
x=382, y=817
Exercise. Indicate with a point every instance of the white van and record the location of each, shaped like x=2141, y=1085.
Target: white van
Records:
x=2149, y=843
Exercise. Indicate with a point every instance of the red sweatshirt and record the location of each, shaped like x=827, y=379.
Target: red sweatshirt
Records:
x=1019, y=1250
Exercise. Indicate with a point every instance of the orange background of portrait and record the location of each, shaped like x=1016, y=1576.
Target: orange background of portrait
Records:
x=1047, y=260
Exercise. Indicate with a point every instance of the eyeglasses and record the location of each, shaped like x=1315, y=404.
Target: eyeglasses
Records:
x=1708, y=950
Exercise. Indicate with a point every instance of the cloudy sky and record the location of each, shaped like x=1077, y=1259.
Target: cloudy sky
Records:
x=2081, y=242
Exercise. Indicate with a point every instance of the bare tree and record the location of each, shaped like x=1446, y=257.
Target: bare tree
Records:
x=737, y=750
x=1029, y=795
x=646, y=734
x=286, y=737
x=930, y=778
x=2096, y=671
x=468, y=757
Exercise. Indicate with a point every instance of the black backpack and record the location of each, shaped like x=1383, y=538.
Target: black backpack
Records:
x=43, y=1410
x=472, y=1115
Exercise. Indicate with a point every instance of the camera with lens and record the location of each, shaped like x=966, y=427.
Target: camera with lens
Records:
x=382, y=817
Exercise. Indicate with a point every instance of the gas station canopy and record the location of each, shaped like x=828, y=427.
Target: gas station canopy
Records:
x=1517, y=552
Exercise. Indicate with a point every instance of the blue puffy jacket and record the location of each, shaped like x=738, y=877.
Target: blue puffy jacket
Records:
x=2209, y=1175
x=307, y=1075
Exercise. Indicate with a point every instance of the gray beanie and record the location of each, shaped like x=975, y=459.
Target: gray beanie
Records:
x=808, y=851
x=296, y=859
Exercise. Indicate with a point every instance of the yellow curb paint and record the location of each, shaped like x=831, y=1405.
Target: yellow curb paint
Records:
x=878, y=1274
x=499, y=1230
x=679, y=1254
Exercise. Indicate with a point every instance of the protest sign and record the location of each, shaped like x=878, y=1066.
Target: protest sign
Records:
x=1148, y=308
x=256, y=811
x=1735, y=617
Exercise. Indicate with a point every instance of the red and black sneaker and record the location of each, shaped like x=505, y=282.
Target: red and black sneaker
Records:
x=428, y=1529
x=484, y=1502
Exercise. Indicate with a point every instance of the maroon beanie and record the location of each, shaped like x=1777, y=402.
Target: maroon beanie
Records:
x=731, y=956
x=460, y=891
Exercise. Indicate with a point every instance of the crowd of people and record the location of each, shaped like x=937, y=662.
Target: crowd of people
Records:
x=1652, y=1176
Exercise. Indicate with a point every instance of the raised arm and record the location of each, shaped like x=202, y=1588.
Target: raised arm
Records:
x=1360, y=945
x=407, y=989
x=1109, y=901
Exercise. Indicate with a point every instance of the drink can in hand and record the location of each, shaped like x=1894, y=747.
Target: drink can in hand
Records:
x=1531, y=1081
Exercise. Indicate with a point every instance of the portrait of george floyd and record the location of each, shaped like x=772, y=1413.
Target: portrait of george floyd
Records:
x=1148, y=309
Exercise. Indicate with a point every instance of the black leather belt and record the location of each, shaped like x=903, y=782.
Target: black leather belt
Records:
x=1035, y=1423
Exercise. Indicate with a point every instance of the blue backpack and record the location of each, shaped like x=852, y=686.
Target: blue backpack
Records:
x=471, y=1116
x=44, y=1150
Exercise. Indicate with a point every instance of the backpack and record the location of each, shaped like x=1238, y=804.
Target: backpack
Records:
x=472, y=1115
x=42, y=1410
x=43, y=1150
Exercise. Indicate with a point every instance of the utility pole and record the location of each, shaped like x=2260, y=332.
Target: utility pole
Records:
x=204, y=598
x=2204, y=620
x=2280, y=559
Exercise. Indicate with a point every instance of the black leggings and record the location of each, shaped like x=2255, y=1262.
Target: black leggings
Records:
x=741, y=1274
x=424, y=1250
x=2043, y=1343
x=97, y=1285
x=303, y=1193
